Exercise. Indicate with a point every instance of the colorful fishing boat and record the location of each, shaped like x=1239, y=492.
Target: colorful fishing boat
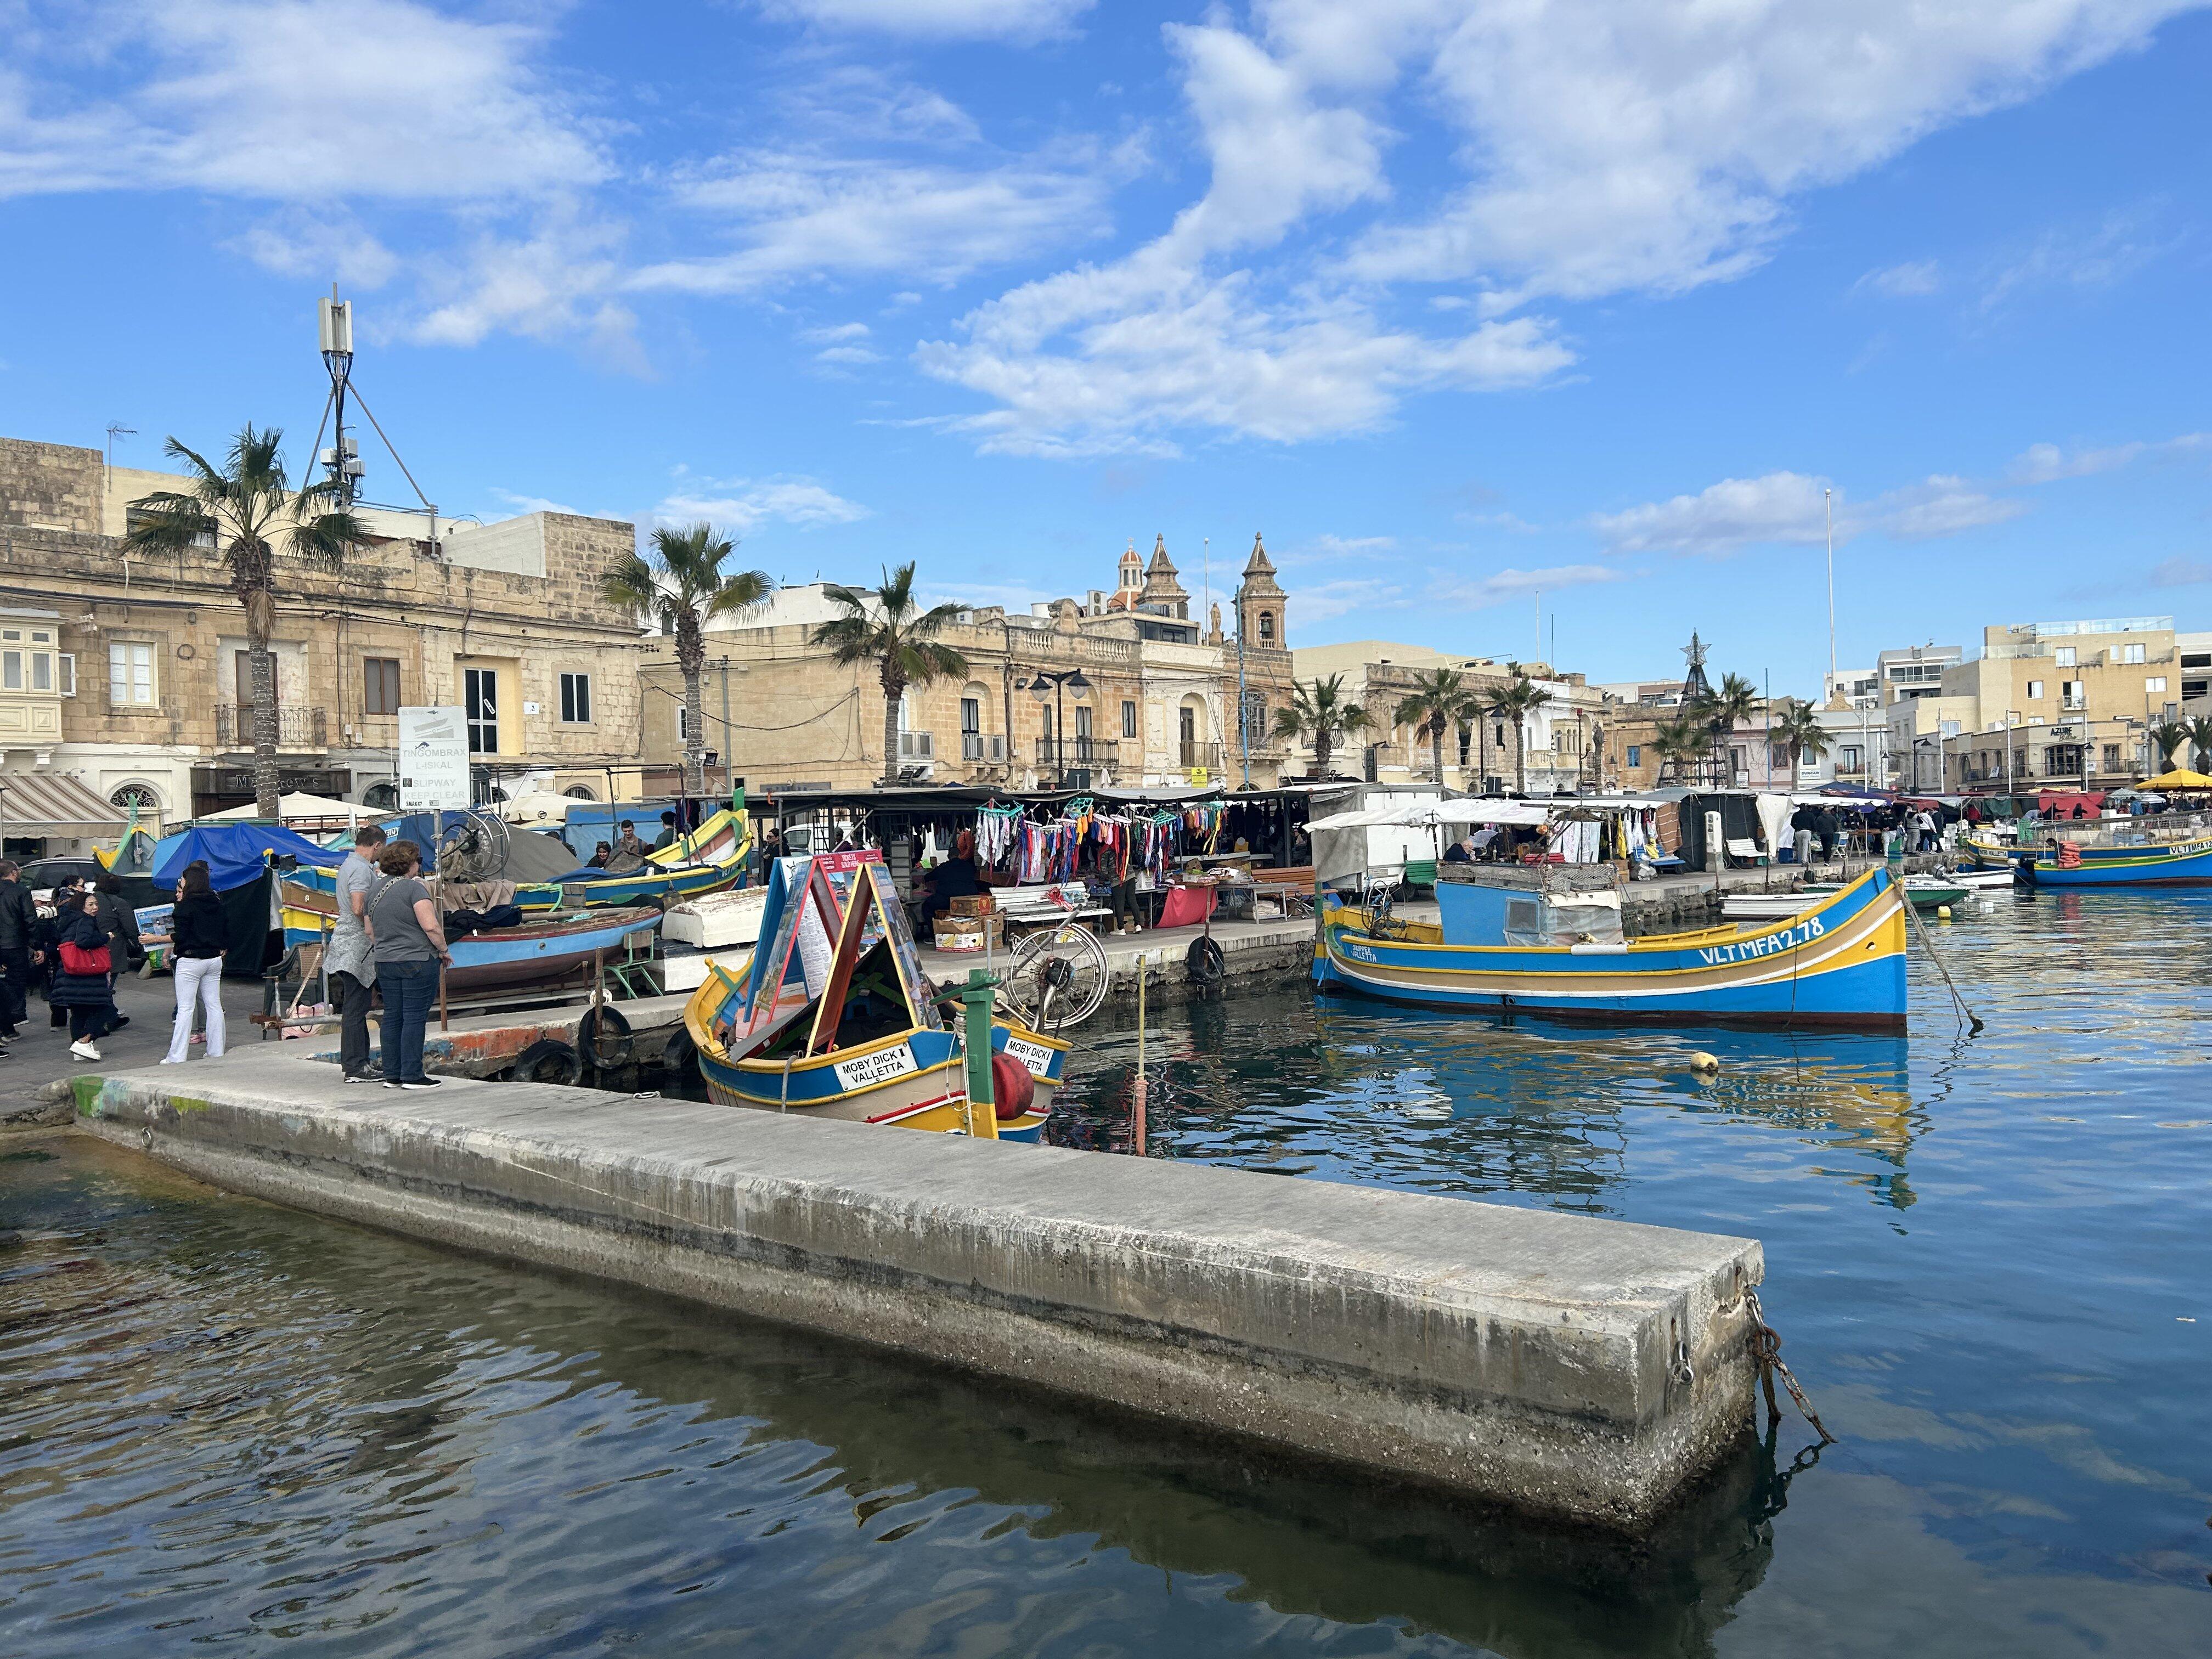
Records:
x=2149, y=864
x=831, y=1017
x=1922, y=892
x=541, y=951
x=1546, y=939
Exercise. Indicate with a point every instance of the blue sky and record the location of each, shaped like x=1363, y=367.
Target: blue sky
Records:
x=1459, y=301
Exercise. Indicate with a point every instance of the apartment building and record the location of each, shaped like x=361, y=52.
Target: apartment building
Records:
x=2069, y=703
x=145, y=697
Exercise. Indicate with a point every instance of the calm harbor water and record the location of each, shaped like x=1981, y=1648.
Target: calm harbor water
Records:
x=227, y=1426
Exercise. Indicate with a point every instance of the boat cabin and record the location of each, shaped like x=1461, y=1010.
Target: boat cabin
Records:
x=1529, y=904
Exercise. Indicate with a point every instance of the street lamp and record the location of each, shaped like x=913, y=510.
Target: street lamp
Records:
x=1048, y=685
x=2011, y=714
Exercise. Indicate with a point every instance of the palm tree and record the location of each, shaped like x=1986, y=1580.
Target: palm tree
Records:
x=1320, y=712
x=1438, y=701
x=1678, y=743
x=2169, y=736
x=1733, y=704
x=1517, y=699
x=248, y=511
x=684, y=588
x=2200, y=734
x=1799, y=727
x=885, y=625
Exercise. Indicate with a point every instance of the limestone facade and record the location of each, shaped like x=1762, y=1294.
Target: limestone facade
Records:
x=1157, y=706
x=504, y=618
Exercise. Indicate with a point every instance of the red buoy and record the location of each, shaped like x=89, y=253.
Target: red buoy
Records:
x=1011, y=1085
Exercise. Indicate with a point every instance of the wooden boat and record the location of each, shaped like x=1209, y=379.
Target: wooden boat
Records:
x=1922, y=892
x=541, y=950
x=2151, y=864
x=708, y=859
x=1546, y=939
x=831, y=1017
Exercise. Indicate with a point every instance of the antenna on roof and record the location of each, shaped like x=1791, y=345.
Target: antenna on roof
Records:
x=341, y=464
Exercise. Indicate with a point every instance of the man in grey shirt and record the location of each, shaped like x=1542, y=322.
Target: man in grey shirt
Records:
x=351, y=963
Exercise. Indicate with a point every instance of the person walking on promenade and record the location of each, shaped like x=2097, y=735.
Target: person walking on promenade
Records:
x=19, y=932
x=82, y=985
x=127, y=953
x=351, y=962
x=197, y=933
x=410, y=941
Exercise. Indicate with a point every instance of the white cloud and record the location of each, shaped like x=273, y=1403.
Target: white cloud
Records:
x=1614, y=146
x=288, y=101
x=1911, y=281
x=738, y=505
x=2178, y=572
x=848, y=357
x=1019, y=21
x=1721, y=518
x=2047, y=463
x=1783, y=509
x=555, y=281
x=1332, y=547
x=2081, y=261
x=1511, y=584
x=796, y=216
x=1323, y=601
x=324, y=249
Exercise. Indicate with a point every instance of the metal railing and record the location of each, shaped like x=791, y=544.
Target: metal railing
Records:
x=1198, y=754
x=983, y=748
x=1077, y=751
x=297, y=727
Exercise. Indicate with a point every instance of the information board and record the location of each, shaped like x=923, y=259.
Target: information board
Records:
x=433, y=760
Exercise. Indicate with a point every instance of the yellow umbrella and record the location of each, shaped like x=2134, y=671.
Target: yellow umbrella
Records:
x=2182, y=778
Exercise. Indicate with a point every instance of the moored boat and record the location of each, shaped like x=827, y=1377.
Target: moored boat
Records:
x=831, y=1017
x=2152, y=863
x=1546, y=939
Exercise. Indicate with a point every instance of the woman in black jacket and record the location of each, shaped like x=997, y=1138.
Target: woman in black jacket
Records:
x=118, y=919
x=88, y=996
x=198, y=934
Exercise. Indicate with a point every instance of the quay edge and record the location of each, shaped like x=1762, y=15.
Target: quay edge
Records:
x=1572, y=1367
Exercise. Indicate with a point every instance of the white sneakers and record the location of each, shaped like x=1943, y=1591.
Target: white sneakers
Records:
x=82, y=1049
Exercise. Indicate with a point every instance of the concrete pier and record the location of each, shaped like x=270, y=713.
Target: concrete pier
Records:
x=1576, y=1367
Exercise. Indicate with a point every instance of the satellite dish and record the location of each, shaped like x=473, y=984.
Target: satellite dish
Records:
x=471, y=847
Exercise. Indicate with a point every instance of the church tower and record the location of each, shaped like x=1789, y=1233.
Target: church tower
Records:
x=1163, y=593
x=1129, y=587
x=1261, y=604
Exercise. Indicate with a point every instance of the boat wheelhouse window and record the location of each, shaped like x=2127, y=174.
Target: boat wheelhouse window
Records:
x=1524, y=921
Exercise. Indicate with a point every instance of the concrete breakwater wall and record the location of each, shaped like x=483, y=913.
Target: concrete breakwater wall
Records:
x=1581, y=1368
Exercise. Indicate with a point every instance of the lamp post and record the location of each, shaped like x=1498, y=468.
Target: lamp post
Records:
x=2011, y=714
x=1049, y=685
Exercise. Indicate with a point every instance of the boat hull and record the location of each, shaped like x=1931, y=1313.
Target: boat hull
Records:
x=1840, y=964
x=913, y=1081
x=531, y=954
x=2185, y=864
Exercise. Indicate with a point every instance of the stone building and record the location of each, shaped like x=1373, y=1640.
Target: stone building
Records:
x=1155, y=704
x=147, y=699
x=1565, y=739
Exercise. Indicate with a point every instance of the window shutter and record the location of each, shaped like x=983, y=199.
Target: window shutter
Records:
x=65, y=673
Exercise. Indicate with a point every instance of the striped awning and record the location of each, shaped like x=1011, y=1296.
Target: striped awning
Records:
x=54, y=804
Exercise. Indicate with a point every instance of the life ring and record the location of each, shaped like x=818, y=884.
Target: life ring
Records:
x=1204, y=962
x=547, y=1060
x=603, y=1036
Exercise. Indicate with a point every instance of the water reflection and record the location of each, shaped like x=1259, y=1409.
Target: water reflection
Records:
x=1475, y=1104
x=292, y=1419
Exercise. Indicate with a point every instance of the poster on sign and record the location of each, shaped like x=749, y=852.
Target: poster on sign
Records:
x=433, y=760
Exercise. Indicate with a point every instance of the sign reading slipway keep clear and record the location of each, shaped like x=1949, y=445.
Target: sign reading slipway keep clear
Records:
x=433, y=760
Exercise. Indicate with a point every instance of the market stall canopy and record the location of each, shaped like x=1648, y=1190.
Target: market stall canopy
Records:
x=55, y=803
x=2180, y=778
x=1422, y=814
x=296, y=806
x=235, y=852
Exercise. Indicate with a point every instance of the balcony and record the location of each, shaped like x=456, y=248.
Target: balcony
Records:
x=1199, y=756
x=1056, y=752
x=983, y=748
x=298, y=727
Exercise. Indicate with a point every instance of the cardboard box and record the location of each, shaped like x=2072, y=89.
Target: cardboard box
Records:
x=971, y=933
x=972, y=904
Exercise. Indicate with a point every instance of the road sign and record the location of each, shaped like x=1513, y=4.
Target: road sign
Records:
x=433, y=760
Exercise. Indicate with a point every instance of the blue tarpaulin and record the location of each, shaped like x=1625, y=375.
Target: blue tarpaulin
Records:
x=236, y=853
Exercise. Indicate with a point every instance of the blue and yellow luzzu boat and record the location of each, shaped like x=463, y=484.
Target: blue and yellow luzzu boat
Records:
x=831, y=1017
x=2148, y=864
x=1546, y=939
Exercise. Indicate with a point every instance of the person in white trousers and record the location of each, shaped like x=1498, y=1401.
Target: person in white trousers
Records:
x=196, y=935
